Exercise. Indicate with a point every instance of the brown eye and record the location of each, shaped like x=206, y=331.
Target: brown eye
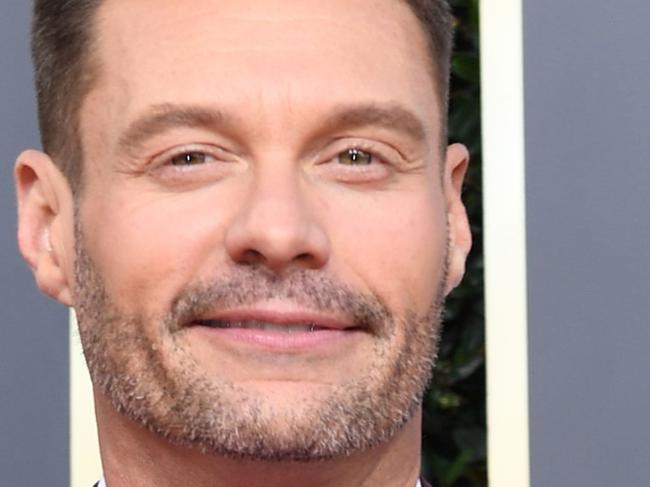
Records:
x=355, y=157
x=188, y=159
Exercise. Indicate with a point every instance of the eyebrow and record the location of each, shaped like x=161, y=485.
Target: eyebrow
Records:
x=164, y=117
x=390, y=116
x=161, y=118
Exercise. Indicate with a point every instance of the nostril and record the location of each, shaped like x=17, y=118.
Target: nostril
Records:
x=277, y=242
x=308, y=260
x=251, y=257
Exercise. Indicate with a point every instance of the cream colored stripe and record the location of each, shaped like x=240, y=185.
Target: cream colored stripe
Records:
x=505, y=242
x=85, y=464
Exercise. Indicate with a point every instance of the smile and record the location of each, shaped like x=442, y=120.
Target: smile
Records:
x=281, y=327
x=263, y=326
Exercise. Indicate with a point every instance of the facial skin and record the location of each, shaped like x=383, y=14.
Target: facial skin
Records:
x=256, y=162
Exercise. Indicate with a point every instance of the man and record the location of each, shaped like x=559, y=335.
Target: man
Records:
x=252, y=209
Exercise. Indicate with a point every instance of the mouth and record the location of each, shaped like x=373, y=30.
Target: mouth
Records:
x=277, y=327
x=264, y=326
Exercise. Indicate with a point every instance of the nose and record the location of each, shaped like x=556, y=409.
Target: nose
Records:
x=276, y=228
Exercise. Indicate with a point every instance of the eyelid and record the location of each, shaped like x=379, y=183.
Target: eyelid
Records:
x=211, y=151
x=385, y=153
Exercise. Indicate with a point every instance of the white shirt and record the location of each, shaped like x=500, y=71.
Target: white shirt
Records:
x=102, y=483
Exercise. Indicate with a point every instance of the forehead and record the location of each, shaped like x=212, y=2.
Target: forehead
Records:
x=265, y=53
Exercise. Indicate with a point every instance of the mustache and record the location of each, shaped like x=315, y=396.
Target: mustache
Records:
x=314, y=290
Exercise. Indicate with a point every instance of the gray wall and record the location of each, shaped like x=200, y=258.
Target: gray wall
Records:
x=33, y=333
x=587, y=76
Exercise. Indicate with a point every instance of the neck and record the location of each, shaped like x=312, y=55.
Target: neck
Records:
x=135, y=457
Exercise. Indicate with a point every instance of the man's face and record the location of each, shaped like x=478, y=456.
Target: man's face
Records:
x=262, y=240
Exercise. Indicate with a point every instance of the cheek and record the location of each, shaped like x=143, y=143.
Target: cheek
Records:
x=148, y=249
x=396, y=246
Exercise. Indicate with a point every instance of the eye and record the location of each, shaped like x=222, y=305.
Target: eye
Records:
x=189, y=158
x=355, y=157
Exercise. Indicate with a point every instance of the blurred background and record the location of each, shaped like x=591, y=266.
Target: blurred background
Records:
x=454, y=430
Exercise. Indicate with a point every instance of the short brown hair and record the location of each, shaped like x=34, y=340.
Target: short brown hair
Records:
x=61, y=51
x=64, y=73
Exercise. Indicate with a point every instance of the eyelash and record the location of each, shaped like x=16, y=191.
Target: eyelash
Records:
x=380, y=153
x=382, y=161
x=164, y=161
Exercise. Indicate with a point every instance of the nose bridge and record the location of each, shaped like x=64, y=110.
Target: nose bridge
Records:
x=276, y=199
x=275, y=225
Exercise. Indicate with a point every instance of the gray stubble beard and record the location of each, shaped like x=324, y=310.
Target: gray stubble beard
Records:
x=129, y=363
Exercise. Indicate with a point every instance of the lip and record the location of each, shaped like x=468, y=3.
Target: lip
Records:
x=324, y=329
x=281, y=315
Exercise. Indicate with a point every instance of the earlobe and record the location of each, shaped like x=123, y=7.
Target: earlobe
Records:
x=44, y=223
x=460, y=237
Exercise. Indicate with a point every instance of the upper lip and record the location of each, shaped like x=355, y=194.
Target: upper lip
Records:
x=279, y=316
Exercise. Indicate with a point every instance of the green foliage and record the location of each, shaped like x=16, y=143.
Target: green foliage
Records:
x=454, y=423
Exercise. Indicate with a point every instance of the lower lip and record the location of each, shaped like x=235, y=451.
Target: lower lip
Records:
x=278, y=340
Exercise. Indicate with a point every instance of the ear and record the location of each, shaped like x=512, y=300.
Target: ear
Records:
x=45, y=219
x=460, y=236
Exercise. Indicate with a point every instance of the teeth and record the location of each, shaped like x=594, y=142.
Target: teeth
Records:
x=260, y=325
